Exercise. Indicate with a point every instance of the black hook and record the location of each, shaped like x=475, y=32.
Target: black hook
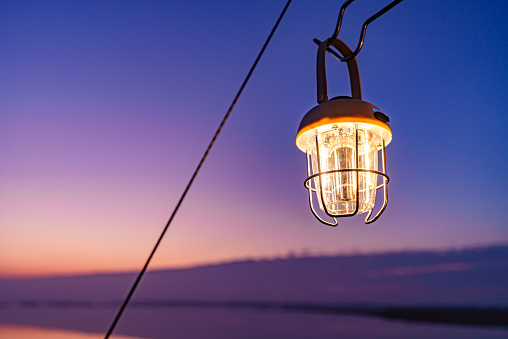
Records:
x=364, y=28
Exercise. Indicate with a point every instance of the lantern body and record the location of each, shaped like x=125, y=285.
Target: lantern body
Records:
x=344, y=140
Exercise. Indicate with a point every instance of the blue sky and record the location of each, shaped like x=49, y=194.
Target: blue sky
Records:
x=106, y=108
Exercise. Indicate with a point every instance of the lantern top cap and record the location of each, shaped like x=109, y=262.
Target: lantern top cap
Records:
x=343, y=110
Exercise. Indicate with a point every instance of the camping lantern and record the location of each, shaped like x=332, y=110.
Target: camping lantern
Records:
x=344, y=137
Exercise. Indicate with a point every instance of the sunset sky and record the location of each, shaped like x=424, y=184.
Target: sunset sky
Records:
x=107, y=106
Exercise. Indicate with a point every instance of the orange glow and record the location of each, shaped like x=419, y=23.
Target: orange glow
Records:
x=22, y=332
x=362, y=121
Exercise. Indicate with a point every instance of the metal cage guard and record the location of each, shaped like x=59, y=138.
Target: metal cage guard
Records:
x=308, y=184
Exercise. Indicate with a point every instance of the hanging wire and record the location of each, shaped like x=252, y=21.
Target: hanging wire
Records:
x=362, y=34
x=143, y=270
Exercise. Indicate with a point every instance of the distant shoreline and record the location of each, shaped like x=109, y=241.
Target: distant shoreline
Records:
x=469, y=316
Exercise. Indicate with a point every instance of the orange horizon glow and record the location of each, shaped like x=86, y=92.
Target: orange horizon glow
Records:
x=26, y=271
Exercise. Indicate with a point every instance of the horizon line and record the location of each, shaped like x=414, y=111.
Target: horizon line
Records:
x=291, y=255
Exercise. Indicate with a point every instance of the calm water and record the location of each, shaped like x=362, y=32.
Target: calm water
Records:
x=220, y=323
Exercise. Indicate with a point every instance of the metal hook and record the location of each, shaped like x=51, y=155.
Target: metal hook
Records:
x=339, y=19
x=364, y=28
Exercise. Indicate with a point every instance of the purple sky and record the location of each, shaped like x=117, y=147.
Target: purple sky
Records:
x=107, y=106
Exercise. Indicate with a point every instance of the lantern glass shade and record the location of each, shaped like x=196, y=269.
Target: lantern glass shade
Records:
x=333, y=150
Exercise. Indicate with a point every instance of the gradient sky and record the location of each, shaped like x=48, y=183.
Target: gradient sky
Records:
x=107, y=106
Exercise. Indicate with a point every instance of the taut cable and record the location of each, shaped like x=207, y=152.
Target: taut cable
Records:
x=143, y=270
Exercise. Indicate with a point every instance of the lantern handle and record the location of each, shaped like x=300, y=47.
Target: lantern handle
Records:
x=352, y=65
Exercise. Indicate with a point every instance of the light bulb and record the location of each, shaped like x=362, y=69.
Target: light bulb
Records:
x=337, y=151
